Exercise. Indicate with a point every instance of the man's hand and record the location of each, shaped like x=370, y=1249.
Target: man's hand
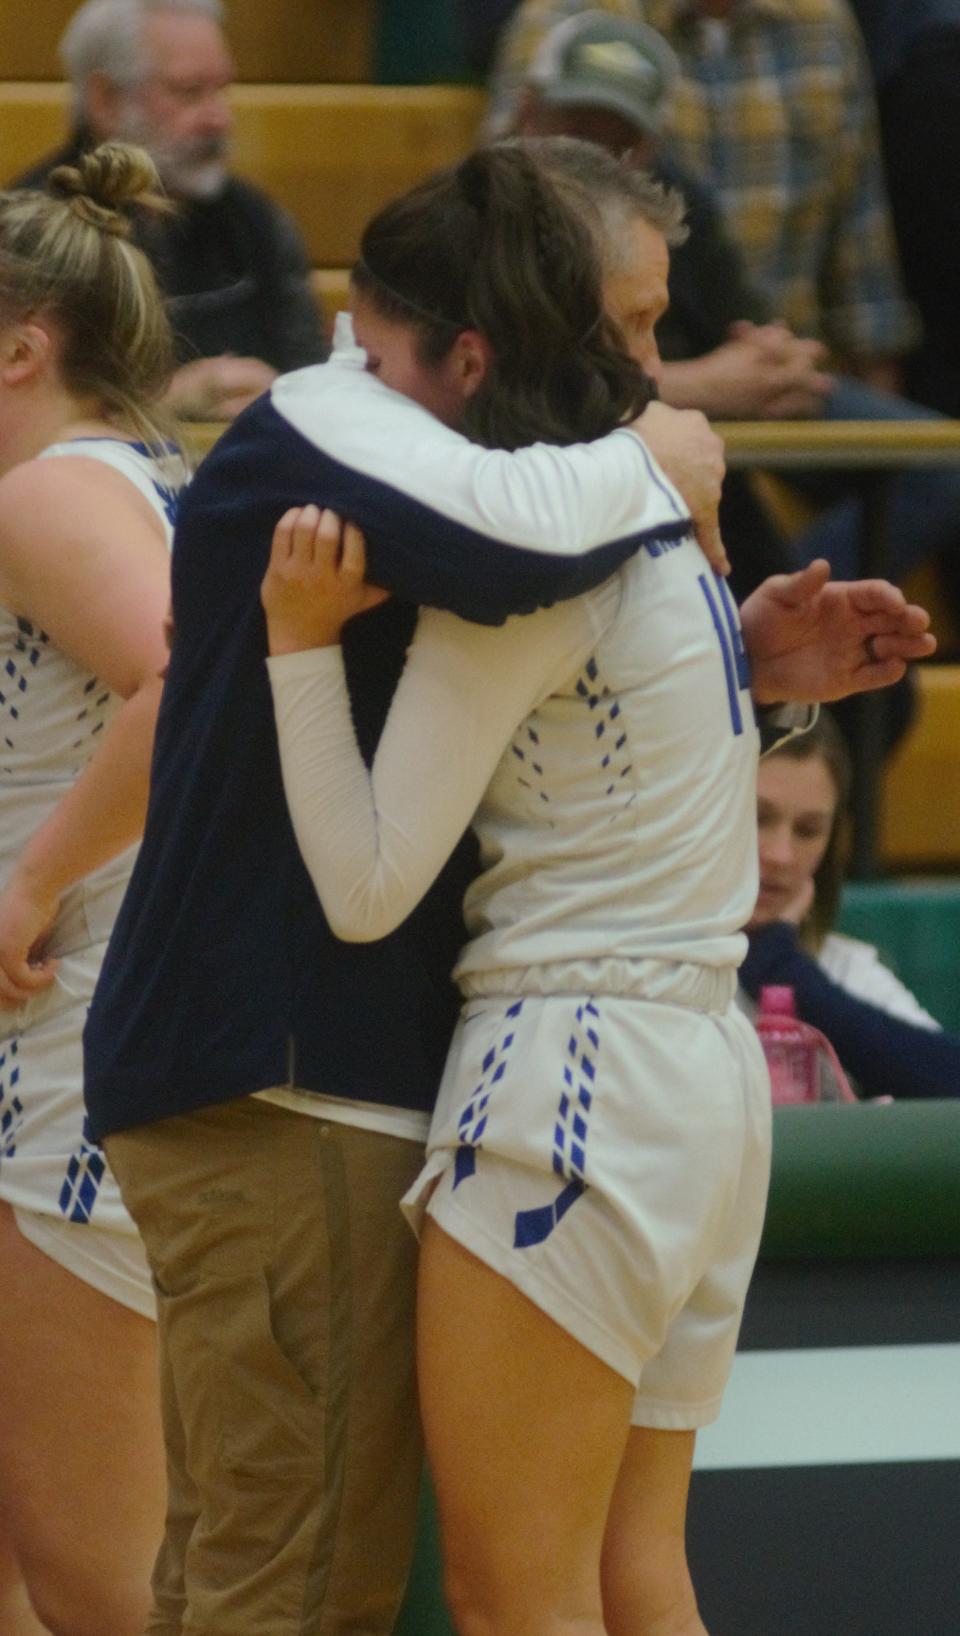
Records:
x=217, y=388
x=811, y=641
x=692, y=457
x=761, y=373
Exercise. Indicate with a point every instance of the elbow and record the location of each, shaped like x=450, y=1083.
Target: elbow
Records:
x=368, y=930
x=364, y=920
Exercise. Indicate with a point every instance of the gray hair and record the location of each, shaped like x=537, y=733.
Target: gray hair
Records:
x=106, y=36
x=608, y=194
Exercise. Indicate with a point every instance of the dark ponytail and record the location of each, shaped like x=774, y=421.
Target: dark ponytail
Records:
x=491, y=245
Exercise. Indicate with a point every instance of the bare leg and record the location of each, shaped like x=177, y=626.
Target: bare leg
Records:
x=646, y=1581
x=81, y=1455
x=525, y=1431
x=17, y=1618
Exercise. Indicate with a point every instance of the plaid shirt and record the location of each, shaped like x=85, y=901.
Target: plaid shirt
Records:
x=775, y=110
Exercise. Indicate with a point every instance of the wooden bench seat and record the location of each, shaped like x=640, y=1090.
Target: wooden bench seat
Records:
x=332, y=154
x=920, y=815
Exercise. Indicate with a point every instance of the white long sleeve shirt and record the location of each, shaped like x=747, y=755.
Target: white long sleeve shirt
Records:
x=605, y=750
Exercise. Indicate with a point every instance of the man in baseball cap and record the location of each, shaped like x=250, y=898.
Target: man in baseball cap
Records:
x=605, y=79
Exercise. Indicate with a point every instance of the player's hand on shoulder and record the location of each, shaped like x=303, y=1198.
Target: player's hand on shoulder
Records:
x=690, y=452
x=315, y=580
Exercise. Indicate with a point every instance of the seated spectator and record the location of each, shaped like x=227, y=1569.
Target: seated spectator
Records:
x=914, y=51
x=231, y=264
x=609, y=81
x=587, y=71
x=888, y=1044
x=774, y=109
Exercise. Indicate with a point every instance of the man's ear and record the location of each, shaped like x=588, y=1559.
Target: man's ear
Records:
x=471, y=359
x=25, y=351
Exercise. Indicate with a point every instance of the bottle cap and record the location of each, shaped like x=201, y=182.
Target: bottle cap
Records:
x=777, y=1000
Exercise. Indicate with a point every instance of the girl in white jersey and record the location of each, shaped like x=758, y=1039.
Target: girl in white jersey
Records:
x=598, y=1159
x=614, y=738
x=87, y=496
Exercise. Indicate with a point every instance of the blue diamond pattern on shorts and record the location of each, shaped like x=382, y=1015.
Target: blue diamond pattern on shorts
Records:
x=85, y=1173
x=576, y=1101
x=570, y=1131
x=473, y=1120
x=11, y=1108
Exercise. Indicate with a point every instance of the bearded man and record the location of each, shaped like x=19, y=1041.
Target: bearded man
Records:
x=232, y=264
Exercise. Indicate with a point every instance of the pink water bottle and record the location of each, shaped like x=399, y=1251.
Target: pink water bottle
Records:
x=790, y=1047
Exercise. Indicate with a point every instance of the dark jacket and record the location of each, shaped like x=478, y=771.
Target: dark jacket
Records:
x=234, y=271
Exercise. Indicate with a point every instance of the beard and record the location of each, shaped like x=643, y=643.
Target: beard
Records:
x=189, y=167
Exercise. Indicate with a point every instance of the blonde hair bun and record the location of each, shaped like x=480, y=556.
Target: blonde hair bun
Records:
x=102, y=186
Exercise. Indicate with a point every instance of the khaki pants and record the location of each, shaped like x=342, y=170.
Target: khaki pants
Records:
x=285, y=1281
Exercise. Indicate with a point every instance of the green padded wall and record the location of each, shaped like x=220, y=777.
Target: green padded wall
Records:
x=418, y=43
x=916, y=927
x=864, y=1182
x=424, y=1612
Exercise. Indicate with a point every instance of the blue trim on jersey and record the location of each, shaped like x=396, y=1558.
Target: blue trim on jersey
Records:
x=740, y=655
x=659, y=482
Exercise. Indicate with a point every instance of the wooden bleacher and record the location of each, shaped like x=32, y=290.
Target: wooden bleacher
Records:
x=332, y=154
x=273, y=40
x=920, y=811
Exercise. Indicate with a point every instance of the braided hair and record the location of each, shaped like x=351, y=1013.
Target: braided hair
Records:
x=491, y=245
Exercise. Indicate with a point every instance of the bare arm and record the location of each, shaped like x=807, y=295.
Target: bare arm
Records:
x=82, y=555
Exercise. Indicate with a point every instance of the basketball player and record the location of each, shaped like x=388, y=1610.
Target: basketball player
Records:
x=86, y=518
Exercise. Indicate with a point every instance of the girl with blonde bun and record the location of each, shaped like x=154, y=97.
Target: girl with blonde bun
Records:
x=88, y=490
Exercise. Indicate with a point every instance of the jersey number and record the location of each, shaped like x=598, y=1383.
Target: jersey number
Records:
x=736, y=665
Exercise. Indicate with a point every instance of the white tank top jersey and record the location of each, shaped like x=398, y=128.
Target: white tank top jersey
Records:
x=53, y=713
x=606, y=751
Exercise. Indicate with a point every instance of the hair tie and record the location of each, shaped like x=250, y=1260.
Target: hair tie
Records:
x=405, y=301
